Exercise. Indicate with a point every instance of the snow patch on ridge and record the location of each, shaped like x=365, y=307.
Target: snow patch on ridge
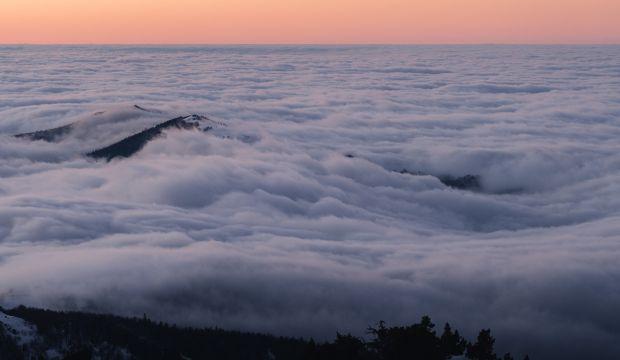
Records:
x=22, y=331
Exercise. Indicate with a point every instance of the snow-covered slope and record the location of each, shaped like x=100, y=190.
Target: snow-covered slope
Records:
x=22, y=331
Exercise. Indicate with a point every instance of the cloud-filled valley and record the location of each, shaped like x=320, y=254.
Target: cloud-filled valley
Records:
x=295, y=217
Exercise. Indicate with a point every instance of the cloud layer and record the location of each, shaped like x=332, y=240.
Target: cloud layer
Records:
x=266, y=225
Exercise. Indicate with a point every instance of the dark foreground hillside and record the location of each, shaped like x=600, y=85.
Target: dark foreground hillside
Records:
x=76, y=335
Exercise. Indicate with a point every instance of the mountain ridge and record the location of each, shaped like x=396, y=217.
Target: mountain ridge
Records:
x=57, y=335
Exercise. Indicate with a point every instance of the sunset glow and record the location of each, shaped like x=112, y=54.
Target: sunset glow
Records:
x=304, y=21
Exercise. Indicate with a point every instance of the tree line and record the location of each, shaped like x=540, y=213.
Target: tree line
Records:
x=85, y=336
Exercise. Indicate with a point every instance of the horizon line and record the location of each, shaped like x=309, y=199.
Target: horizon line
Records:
x=310, y=44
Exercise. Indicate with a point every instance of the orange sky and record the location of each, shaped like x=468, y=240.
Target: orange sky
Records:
x=309, y=21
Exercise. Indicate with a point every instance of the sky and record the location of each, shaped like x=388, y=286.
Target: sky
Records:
x=305, y=21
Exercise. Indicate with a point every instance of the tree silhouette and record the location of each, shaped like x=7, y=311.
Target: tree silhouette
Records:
x=482, y=349
x=452, y=343
x=417, y=341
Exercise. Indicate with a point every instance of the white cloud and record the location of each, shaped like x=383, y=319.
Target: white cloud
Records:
x=267, y=225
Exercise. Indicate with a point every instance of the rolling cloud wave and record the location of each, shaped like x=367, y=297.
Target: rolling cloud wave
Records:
x=295, y=218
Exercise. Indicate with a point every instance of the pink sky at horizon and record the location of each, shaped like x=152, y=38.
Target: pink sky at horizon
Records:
x=304, y=21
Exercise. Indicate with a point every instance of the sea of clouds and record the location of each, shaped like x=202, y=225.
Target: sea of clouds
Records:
x=295, y=220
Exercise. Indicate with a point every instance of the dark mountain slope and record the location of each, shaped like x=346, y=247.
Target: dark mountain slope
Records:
x=76, y=335
x=49, y=135
x=59, y=133
x=134, y=143
x=466, y=182
x=85, y=336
